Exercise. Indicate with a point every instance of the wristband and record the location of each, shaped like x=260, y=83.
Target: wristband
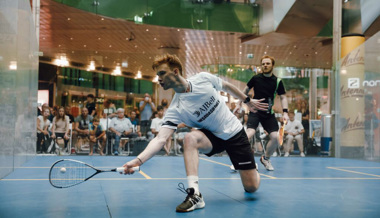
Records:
x=285, y=110
x=139, y=160
x=247, y=99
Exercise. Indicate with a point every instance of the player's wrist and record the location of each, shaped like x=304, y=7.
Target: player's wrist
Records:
x=139, y=161
x=247, y=100
x=285, y=110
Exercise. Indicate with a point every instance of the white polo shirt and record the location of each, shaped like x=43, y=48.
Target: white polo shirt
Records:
x=203, y=108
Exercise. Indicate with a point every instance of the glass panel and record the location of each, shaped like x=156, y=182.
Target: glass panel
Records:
x=18, y=85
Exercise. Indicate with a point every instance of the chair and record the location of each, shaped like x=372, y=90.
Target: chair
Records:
x=125, y=140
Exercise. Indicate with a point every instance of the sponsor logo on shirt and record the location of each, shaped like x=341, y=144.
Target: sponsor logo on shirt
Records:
x=207, y=109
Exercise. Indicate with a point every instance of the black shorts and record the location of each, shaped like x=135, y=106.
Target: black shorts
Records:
x=269, y=122
x=237, y=147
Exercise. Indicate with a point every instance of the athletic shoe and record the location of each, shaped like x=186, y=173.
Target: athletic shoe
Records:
x=267, y=164
x=286, y=154
x=302, y=154
x=116, y=153
x=192, y=201
x=233, y=168
x=274, y=154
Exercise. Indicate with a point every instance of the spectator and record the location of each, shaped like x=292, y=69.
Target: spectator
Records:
x=165, y=104
x=82, y=123
x=156, y=126
x=293, y=130
x=149, y=134
x=305, y=119
x=90, y=105
x=109, y=108
x=68, y=113
x=42, y=131
x=97, y=133
x=135, y=122
x=53, y=113
x=147, y=107
x=120, y=126
x=60, y=127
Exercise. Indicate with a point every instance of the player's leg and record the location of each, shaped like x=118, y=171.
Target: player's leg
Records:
x=271, y=126
x=241, y=155
x=193, y=142
x=250, y=179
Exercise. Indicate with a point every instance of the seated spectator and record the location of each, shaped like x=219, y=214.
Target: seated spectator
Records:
x=82, y=123
x=97, y=133
x=293, y=130
x=136, y=123
x=156, y=126
x=121, y=127
x=42, y=131
x=68, y=113
x=60, y=127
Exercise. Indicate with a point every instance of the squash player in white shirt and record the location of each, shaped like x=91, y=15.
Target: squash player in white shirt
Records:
x=198, y=104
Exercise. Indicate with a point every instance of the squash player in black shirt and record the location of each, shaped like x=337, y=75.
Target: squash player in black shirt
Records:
x=266, y=85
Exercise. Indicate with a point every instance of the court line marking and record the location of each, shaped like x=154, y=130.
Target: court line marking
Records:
x=223, y=164
x=123, y=179
x=350, y=171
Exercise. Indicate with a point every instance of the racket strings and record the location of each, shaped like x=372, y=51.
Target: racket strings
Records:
x=66, y=173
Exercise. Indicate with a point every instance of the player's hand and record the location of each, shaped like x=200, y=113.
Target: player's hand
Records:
x=128, y=167
x=285, y=118
x=257, y=104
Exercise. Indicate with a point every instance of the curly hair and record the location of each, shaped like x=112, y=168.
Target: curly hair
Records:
x=172, y=60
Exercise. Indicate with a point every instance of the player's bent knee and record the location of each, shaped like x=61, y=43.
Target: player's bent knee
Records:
x=250, y=189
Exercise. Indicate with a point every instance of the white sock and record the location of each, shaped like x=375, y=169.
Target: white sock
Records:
x=192, y=182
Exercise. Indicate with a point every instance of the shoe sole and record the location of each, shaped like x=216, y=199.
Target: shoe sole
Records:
x=192, y=208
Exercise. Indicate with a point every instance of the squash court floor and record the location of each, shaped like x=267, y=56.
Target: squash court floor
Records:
x=299, y=187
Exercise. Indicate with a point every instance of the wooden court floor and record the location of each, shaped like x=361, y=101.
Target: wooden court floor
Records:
x=299, y=187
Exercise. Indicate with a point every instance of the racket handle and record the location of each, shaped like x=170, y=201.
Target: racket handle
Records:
x=121, y=169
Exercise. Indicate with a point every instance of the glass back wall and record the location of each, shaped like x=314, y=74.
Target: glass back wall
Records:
x=18, y=85
x=359, y=96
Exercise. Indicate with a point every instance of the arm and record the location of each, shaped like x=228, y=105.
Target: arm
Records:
x=53, y=129
x=253, y=104
x=38, y=126
x=284, y=104
x=154, y=146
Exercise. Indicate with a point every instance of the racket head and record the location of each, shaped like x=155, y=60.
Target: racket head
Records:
x=66, y=173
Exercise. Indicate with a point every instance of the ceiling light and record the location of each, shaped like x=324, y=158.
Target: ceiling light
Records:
x=138, y=76
x=117, y=71
x=91, y=66
x=62, y=61
x=13, y=65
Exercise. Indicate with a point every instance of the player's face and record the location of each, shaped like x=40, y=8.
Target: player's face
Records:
x=266, y=65
x=166, y=76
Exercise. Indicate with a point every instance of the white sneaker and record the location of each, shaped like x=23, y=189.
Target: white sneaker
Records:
x=286, y=154
x=274, y=154
x=233, y=168
x=302, y=154
x=267, y=164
